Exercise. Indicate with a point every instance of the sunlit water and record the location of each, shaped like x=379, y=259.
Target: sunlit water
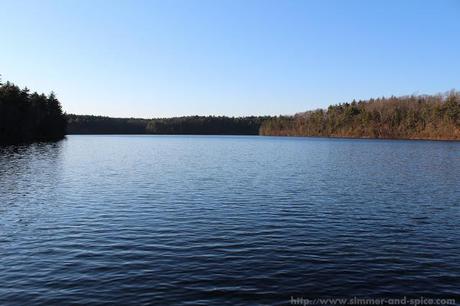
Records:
x=227, y=220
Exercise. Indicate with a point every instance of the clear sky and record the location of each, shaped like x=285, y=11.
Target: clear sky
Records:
x=218, y=57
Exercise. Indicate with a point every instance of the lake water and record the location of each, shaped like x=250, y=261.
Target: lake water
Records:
x=227, y=220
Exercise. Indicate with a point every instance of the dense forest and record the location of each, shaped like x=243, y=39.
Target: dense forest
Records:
x=409, y=117
x=204, y=125
x=28, y=117
x=210, y=125
x=85, y=124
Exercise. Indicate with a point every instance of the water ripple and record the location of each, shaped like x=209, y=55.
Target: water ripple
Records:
x=227, y=220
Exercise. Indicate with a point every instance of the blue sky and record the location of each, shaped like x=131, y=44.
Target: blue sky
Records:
x=227, y=57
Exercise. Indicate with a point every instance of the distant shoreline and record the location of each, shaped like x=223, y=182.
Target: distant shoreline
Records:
x=29, y=117
x=425, y=117
x=281, y=136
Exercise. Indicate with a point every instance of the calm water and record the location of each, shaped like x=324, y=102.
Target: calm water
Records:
x=227, y=220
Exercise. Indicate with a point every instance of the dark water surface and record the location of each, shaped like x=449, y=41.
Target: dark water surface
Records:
x=227, y=220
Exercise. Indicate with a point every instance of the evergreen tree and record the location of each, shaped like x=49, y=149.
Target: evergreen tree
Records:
x=26, y=117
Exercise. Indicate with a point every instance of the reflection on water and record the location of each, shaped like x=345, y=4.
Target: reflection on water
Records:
x=29, y=176
x=227, y=220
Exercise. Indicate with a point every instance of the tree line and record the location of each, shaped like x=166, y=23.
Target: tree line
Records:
x=200, y=125
x=211, y=125
x=87, y=124
x=27, y=117
x=408, y=117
